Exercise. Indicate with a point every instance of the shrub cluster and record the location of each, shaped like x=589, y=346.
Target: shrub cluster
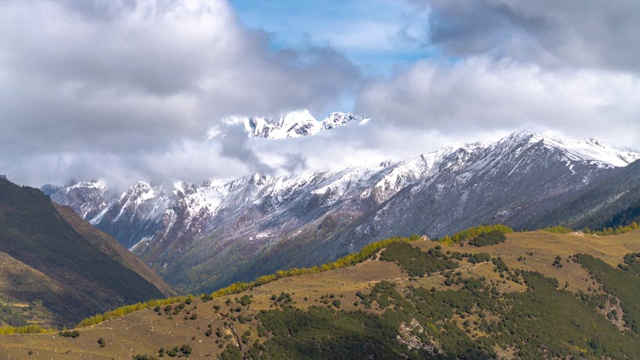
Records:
x=29, y=329
x=471, y=233
x=488, y=238
x=72, y=334
x=416, y=262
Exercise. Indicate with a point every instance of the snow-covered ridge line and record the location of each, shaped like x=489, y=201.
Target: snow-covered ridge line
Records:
x=290, y=125
x=384, y=180
x=581, y=150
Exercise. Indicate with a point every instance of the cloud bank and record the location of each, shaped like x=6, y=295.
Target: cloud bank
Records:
x=126, y=90
x=110, y=85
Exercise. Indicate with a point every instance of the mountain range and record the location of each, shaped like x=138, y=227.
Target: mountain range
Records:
x=207, y=235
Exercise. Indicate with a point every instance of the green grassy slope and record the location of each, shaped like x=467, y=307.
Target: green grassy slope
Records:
x=112, y=248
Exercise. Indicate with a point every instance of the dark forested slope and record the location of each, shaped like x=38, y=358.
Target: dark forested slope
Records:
x=71, y=268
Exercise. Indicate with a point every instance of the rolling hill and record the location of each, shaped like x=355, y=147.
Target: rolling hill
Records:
x=537, y=295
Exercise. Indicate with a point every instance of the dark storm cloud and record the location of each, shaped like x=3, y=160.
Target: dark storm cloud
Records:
x=572, y=33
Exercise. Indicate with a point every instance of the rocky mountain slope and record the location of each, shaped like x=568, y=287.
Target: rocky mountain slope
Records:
x=603, y=203
x=54, y=259
x=203, y=236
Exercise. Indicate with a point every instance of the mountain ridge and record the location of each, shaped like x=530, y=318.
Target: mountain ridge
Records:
x=66, y=264
x=289, y=125
x=190, y=231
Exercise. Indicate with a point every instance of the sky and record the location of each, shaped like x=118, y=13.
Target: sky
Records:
x=126, y=90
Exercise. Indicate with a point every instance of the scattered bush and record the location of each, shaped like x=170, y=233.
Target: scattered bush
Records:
x=367, y=252
x=144, y=357
x=186, y=350
x=71, y=334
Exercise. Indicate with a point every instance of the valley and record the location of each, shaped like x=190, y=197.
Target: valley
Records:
x=271, y=256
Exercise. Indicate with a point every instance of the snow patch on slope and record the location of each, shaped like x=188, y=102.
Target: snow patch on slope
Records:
x=582, y=150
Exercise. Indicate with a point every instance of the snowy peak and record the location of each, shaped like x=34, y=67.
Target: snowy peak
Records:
x=590, y=150
x=87, y=198
x=298, y=123
x=290, y=125
x=339, y=119
x=293, y=124
x=140, y=192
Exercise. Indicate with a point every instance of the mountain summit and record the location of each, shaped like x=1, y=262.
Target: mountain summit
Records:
x=293, y=124
x=229, y=231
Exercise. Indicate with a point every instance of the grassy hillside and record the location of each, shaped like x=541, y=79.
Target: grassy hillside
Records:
x=112, y=248
x=17, y=283
x=535, y=295
x=63, y=265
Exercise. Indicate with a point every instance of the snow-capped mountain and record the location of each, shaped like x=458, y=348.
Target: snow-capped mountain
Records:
x=86, y=198
x=293, y=124
x=201, y=236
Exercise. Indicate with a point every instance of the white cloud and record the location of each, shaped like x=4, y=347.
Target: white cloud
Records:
x=128, y=90
x=138, y=80
x=481, y=94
